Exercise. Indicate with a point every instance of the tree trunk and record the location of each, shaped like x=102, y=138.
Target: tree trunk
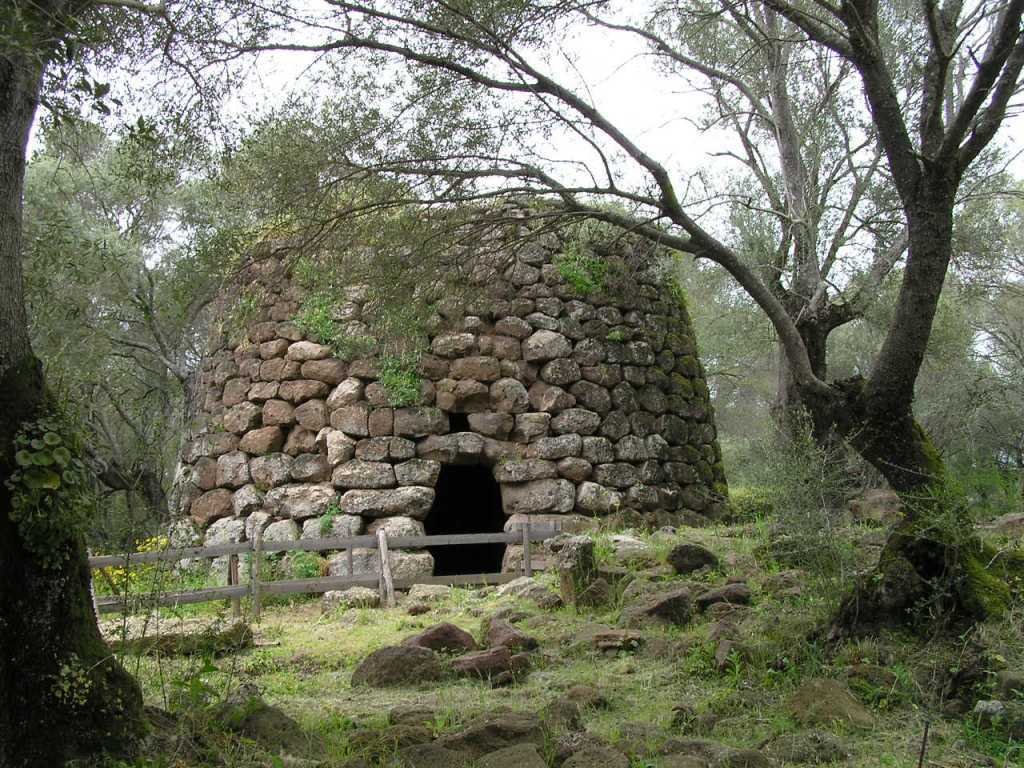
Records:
x=62, y=693
x=934, y=570
x=791, y=411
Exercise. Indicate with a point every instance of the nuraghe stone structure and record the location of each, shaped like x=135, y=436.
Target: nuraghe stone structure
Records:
x=537, y=402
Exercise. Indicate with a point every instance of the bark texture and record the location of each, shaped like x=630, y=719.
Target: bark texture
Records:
x=62, y=693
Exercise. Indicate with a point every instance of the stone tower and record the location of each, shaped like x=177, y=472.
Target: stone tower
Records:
x=540, y=397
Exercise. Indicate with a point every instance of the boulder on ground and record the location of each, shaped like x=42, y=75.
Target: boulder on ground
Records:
x=353, y=597
x=674, y=606
x=807, y=748
x=597, y=756
x=528, y=588
x=736, y=593
x=686, y=558
x=398, y=665
x=495, y=731
x=486, y=664
x=499, y=633
x=443, y=637
x=821, y=701
x=516, y=756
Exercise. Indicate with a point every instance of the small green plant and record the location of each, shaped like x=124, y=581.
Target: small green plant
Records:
x=243, y=313
x=586, y=274
x=616, y=335
x=304, y=565
x=400, y=380
x=327, y=518
x=316, y=317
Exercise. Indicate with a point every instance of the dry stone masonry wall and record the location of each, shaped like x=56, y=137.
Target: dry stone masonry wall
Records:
x=579, y=404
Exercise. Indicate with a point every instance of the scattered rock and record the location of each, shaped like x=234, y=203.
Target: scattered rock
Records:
x=485, y=664
x=516, y=756
x=1010, y=684
x=411, y=714
x=671, y=607
x=597, y=756
x=493, y=732
x=736, y=594
x=527, y=588
x=595, y=594
x=251, y=717
x=808, y=747
x=443, y=637
x=429, y=593
x=687, y=558
x=499, y=633
x=618, y=640
x=432, y=755
x=352, y=597
x=630, y=547
x=398, y=665
x=821, y=701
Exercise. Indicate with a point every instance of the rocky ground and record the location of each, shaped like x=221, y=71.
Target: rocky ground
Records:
x=694, y=648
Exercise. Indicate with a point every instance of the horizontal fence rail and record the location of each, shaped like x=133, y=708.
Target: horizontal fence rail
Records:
x=256, y=589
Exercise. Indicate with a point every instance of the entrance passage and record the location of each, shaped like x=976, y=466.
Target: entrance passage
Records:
x=468, y=500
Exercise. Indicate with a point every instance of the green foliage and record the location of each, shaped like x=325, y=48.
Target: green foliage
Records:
x=52, y=492
x=316, y=318
x=400, y=379
x=751, y=503
x=243, y=313
x=616, y=335
x=586, y=274
x=327, y=518
x=304, y=565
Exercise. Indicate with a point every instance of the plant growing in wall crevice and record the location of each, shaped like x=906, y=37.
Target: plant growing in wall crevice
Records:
x=400, y=379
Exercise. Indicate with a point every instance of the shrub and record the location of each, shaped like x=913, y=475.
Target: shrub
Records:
x=400, y=380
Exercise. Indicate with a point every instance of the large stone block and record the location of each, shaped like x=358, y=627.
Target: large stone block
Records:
x=578, y=421
x=546, y=345
x=538, y=496
x=418, y=472
x=347, y=392
x=509, y=396
x=521, y=471
x=363, y=474
x=420, y=421
x=595, y=499
x=211, y=506
x=242, y=417
x=405, y=565
x=301, y=390
x=409, y=501
x=260, y=441
x=456, y=448
x=300, y=501
x=233, y=469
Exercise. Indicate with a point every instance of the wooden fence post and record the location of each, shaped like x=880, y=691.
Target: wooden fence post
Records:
x=254, y=573
x=387, y=586
x=233, y=581
x=527, y=563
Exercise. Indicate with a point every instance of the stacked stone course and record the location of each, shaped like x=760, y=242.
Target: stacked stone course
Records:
x=590, y=405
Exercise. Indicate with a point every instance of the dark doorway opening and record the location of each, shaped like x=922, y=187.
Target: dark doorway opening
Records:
x=458, y=422
x=468, y=500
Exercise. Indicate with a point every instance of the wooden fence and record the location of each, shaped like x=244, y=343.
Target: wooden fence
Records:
x=256, y=589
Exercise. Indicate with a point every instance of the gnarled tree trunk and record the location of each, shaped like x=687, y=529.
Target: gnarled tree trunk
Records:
x=62, y=692
x=934, y=570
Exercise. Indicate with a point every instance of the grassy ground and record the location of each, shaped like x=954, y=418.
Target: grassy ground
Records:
x=672, y=686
